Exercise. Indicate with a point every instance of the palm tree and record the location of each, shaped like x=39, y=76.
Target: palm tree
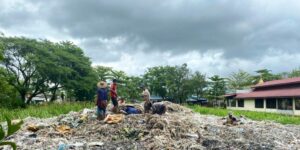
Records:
x=239, y=80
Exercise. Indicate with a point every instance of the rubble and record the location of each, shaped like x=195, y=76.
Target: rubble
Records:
x=179, y=128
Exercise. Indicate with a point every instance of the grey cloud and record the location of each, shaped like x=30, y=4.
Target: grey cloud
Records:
x=243, y=29
x=12, y=14
x=177, y=26
x=99, y=52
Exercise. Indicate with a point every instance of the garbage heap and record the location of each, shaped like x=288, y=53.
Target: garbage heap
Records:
x=179, y=128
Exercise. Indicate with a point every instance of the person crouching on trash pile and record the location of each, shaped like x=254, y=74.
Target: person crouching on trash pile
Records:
x=101, y=100
x=146, y=97
x=128, y=109
x=158, y=108
x=231, y=120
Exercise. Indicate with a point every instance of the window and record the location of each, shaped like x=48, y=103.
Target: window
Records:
x=233, y=103
x=285, y=104
x=271, y=103
x=259, y=103
x=240, y=103
x=297, y=103
x=228, y=102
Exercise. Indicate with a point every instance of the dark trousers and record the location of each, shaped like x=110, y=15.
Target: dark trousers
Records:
x=114, y=101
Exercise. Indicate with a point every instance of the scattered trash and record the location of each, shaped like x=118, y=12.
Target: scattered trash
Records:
x=16, y=121
x=32, y=135
x=92, y=144
x=63, y=129
x=77, y=145
x=113, y=119
x=32, y=128
x=83, y=118
x=87, y=111
x=243, y=120
x=232, y=120
x=62, y=146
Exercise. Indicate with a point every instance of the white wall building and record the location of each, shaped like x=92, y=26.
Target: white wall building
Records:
x=278, y=96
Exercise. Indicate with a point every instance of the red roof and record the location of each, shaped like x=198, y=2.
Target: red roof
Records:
x=284, y=92
x=278, y=82
x=229, y=95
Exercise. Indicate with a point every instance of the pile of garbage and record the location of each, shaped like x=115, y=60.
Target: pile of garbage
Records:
x=179, y=128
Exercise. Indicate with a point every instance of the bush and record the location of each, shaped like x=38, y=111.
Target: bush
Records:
x=9, y=97
x=12, y=103
x=8, y=94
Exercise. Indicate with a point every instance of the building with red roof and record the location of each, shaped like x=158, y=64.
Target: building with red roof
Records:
x=281, y=96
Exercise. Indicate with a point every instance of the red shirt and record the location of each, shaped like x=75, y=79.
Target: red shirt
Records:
x=113, y=90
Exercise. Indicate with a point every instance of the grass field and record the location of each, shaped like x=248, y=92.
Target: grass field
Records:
x=44, y=110
x=55, y=109
x=280, y=118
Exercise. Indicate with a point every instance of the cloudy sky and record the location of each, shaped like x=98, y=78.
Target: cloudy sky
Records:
x=211, y=36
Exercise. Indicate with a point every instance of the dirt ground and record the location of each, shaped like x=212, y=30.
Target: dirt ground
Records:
x=179, y=128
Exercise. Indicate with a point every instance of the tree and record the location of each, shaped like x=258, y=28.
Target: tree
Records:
x=198, y=84
x=85, y=88
x=170, y=82
x=217, y=87
x=8, y=94
x=51, y=69
x=157, y=78
x=1, y=48
x=266, y=75
x=103, y=73
x=67, y=68
x=1, y=52
x=37, y=66
x=181, y=79
x=119, y=75
x=294, y=73
x=76, y=75
x=131, y=86
x=21, y=59
x=239, y=80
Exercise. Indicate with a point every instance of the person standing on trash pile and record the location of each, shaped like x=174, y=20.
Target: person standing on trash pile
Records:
x=114, y=95
x=101, y=100
x=146, y=98
x=159, y=108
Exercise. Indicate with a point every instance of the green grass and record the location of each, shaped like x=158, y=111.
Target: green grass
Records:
x=55, y=109
x=44, y=110
x=280, y=118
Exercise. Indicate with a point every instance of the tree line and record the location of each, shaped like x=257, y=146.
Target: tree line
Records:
x=31, y=67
